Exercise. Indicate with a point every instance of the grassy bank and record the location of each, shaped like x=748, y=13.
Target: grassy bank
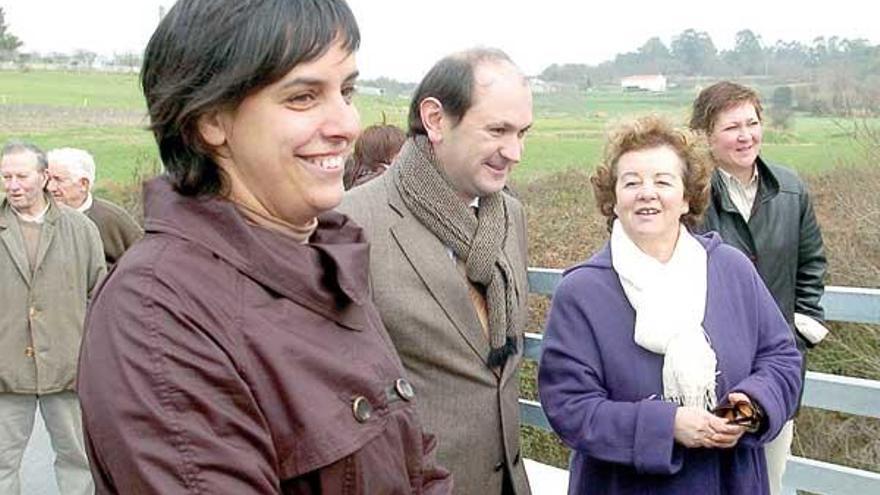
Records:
x=105, y=114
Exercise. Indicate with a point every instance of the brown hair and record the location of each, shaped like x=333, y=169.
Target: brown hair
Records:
x=376, y=147
x=653, y=132
x=717, y=98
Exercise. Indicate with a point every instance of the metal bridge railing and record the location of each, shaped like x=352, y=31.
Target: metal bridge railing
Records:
x=823, y=391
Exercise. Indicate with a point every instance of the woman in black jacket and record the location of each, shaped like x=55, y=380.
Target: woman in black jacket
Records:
x=765, y=211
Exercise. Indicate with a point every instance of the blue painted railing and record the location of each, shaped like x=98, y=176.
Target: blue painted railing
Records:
x=823, y=391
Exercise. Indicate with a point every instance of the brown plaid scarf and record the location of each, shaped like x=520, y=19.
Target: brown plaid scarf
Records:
x=476, y=240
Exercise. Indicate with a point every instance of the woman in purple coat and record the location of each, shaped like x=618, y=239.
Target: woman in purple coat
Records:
x=660, y=329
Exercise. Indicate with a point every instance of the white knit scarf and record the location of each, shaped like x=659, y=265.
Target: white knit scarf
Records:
x=670, y=303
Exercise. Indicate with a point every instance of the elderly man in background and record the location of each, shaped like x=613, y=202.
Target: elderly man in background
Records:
x=448, y=262
x=50, y=261
x=71, y=177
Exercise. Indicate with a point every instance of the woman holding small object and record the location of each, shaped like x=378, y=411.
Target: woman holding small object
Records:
x=666, y=362
x=764, y=210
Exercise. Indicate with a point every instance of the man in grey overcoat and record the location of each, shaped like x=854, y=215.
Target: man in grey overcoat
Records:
x=448, y=263
x=50, y=261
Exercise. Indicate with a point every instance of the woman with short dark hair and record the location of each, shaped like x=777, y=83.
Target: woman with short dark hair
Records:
x=666, y=363
x=236, y=349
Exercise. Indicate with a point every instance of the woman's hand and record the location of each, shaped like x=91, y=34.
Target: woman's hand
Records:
x=696, y=428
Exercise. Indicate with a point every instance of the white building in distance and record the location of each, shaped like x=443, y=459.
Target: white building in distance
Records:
x=651, y=82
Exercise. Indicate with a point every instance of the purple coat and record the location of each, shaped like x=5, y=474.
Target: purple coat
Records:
x=599, y=389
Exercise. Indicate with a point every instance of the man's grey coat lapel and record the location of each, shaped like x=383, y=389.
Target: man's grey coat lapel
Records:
x=14, y=243
x=47, y=236
x=438, y=272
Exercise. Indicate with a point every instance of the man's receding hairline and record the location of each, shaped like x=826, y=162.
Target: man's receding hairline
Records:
x=504, y=67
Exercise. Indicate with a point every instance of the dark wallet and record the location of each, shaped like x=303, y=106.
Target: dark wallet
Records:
x=742, y=413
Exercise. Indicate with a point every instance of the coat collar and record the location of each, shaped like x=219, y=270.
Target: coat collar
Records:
x=11, y=236
x=7, y=216
x=437, y=271
x=768, y=187
x=769, y=183
x=329, y=275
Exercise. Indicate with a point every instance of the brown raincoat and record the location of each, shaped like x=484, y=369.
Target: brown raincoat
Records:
x=221, y=357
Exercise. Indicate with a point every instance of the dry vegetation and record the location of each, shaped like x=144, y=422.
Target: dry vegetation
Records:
x=23, y=119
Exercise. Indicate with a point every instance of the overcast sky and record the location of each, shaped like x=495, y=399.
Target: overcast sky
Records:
x=402, y=38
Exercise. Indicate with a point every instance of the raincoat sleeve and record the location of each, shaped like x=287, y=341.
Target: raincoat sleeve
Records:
x=176, y=415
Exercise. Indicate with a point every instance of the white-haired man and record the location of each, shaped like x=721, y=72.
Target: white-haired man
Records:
x=71, y=177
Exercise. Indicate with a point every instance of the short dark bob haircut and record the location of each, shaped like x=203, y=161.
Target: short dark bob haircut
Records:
x=209, y=55
x=647, y=133
x=451, y=81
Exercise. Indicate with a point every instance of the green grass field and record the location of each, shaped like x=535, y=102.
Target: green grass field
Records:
x=105, y=114
x=71, y=89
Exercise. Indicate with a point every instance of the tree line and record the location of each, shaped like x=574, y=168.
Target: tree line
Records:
x=693, y=53
x=830, y=75
x=10, y=44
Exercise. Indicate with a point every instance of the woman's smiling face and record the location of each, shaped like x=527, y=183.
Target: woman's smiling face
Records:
x=283, y=148
x=736, y=139
x=650, y=195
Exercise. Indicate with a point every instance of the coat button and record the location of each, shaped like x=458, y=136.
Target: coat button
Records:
x=29, y=351
x=361, y=409
x=404, y=389
x=32, y=312
x=499, y=466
